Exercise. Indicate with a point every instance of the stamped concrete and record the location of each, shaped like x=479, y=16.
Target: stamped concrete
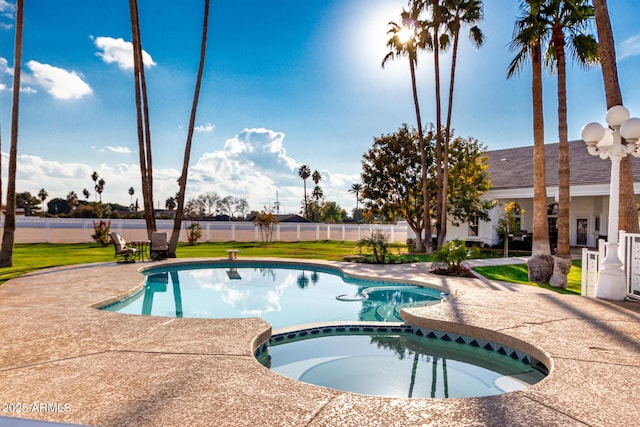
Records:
x=61, y=360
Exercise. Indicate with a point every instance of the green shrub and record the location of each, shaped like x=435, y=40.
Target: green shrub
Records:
x=379, y=244
x=194, y=232
x=452, y=255
x=101, y=232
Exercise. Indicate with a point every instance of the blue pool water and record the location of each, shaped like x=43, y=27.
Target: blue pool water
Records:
x=398, y=363
x=282, y=294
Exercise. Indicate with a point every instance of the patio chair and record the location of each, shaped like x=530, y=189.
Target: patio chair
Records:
x=126, y=252
x=159, y=246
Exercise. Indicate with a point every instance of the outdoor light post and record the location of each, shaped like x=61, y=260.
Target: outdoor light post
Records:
x=607, y=143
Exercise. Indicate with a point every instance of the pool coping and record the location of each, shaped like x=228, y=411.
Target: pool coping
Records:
x=113, y=369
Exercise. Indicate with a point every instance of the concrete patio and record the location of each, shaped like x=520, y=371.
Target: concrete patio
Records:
x=63, y=361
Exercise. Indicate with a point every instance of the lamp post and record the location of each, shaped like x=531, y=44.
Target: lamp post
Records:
x=607, y=143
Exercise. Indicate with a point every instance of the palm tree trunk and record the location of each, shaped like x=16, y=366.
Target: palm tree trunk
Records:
x=423, y=161
x=439, y=178
x=564, y=197
x=8, y=236
x=539, y=272
x=627, y=206
x=144, y=138
x=177, y=223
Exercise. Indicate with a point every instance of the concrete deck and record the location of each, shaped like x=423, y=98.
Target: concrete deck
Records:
x=63, y=361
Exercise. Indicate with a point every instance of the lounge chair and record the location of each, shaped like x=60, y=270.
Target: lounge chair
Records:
x=126, y=252
x=159, y=246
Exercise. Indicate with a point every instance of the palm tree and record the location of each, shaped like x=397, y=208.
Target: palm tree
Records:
x=316, y=177
x=317, y=195
x=94, y=177
x=527, y=43
x=100, y=188
x=437, y=18
x=131, y=192
x=356, y=189
x=42, y=195
x=8, y=236
x=304, y=172
x=142, y=114
x=627, y=208
x=461, y=12
x=86, y=193
x=405, y=41
x=177, y=222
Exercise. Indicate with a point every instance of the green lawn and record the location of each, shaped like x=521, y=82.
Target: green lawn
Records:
x=30, y=257
x=518, y=273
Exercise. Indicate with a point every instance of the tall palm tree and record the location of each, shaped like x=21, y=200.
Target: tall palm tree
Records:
x=94, y=177
x=461, y=12
x=627, y=207
x=142, y=114
x=527, y=43
x=566, y=22
x=405, y=40
x=42, y=195
x=177, y=222
x=436, y=22
x=304, y=172
x=355, y=189
x=8, y=236
x=316, y=177
x=131, y=193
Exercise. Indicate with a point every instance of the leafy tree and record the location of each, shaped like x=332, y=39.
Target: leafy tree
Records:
x=241, y=206
x=226, y=205
x=508, y=223
x=170, y=203
x=29, y=203
x=266, y=222
x=392, y=179
x=331, y=212
x=58, y=206
x=72, y=199
x=209, y=202
x=379, y=244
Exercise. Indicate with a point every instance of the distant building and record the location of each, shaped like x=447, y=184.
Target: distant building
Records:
x=511, y=172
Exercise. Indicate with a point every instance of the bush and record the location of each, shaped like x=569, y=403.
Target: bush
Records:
x=451, y=257
x=101, y=232
x=380, y=245
x=194, y=232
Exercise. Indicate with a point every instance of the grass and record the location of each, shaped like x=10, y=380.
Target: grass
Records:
x=518, y=273
x=31, y=257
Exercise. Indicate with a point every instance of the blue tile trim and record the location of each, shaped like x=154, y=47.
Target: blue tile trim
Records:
x=347, y=329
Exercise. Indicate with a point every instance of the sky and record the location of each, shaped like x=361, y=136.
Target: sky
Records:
x=286, y=82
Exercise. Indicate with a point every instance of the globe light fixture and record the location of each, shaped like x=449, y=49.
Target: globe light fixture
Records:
x=608, y=143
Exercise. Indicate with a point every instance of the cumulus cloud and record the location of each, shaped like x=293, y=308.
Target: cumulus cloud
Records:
x=7, y=12
x=629, y=47
x=120, y=52
x=59, y=83
x=205, y=128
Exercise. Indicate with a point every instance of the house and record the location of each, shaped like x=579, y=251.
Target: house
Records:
x=511, y=172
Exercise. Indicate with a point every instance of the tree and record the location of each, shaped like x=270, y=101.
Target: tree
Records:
x=627, y=207
x=461, y=12
x=85, y=193
x=175, y=235
x=100, y=188
x=42, y=195
x=355, y=189
x=8, y=236
x=142, y=120
x=241, y=206
x=170, y=203
x=304, y=172
x=58, y=206
x=437, y=17
x=72, y=199
x=406, y=41
x=527, y=40
x=226, y=205
x=29, y=203
x=209, y=201
x=131, y=193
x=94, y=177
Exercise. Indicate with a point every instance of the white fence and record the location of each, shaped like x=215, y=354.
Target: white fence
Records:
x=628, y=252
x=80, y=230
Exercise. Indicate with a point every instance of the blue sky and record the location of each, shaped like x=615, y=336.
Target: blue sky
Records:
x=286, y=82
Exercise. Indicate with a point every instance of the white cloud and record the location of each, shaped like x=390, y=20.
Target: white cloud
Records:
x=120, y=52
x=119, y=150
x=60, y=83
x=7, y=10
x=205, y=128
x=629, y=47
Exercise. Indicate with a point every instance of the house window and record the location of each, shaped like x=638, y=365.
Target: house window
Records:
x=474, y=227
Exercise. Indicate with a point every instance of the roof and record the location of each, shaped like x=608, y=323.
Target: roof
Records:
x=513, y=167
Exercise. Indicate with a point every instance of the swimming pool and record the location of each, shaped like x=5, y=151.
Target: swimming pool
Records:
x=280, y=293
x=399, y=361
